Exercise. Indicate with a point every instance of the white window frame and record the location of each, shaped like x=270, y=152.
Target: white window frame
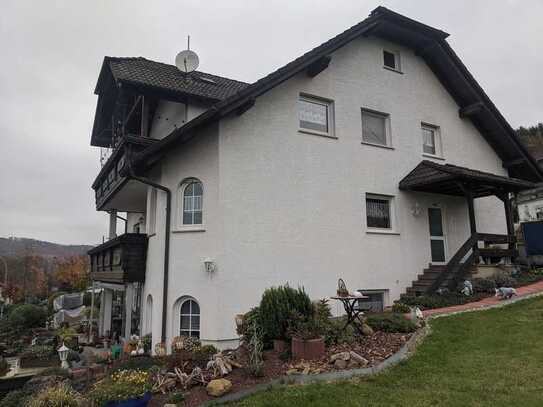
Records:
x=178, y=315
x=330, y=110
x=438, y=145
x=188, y=227
x=152, y=212
x=388, y=131
x=392, y=214
x=397, y=60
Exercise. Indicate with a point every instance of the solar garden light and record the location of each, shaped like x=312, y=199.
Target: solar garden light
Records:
x=63, y=355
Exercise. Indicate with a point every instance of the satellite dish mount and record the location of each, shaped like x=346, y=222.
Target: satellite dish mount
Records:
x=187, y=61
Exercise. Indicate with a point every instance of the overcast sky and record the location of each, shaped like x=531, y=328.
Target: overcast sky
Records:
x=51, y=53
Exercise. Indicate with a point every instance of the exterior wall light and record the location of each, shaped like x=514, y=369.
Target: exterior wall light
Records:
x=209, y=265
x=63, y=355
x=416, y=209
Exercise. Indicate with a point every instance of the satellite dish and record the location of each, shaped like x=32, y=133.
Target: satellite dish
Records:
x=187, y=61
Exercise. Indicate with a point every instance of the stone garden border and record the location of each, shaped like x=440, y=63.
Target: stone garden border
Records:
x=405, y=351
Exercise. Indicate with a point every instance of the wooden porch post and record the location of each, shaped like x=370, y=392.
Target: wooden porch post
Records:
x=472, y=222
x=508, y=218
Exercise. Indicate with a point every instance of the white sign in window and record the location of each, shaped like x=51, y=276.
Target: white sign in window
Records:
x=314, y=115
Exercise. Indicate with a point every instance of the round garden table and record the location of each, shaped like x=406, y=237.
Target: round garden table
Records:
x=353, y=313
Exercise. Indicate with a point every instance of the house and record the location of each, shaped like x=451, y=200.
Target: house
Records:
x=530, y=202
x=375, y=157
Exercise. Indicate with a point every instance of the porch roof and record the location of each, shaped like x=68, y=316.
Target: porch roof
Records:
x=449, y=179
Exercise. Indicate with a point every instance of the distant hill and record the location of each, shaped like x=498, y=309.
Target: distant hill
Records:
x=19, y=246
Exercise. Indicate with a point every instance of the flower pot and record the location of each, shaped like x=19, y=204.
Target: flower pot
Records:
x=307, y=349
x=279, y=345
x=139, y=402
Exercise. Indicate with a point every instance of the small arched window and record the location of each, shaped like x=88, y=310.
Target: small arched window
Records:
x=189, y=318
x=192, y=193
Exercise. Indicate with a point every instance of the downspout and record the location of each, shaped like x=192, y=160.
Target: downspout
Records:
x=131, y=175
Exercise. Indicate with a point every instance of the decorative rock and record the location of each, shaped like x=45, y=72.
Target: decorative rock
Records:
x=367, y=330
x=218, y=387
x=359, y=359
x=292, y=371
x=340, y=364
x=340, y=356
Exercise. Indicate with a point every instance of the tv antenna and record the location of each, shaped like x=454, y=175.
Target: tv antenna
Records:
x=187, y=61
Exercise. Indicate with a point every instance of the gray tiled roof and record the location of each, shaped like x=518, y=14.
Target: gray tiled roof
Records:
x=160, y=76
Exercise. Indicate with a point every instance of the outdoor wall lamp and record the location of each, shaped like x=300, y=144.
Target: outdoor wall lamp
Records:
x=416, y=209
x=209, y=265
x=63, y=355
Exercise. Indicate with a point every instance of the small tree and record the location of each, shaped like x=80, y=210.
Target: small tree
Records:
x=276, y=307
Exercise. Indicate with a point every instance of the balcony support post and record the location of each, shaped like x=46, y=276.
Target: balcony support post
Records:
x=112, y=225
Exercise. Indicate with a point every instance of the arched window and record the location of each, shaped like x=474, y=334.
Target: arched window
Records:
x=189, y=318
x=149, y=315
x=192, y=194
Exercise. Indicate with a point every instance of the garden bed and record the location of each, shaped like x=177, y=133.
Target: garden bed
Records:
x=374, y=348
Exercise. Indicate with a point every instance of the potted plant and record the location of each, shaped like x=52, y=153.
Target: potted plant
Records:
x=124, y=388
x=307, y=337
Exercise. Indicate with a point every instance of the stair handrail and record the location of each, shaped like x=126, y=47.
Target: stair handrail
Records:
x=453, y=265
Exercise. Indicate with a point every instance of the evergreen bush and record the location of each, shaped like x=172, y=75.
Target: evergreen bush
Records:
x=276, y=306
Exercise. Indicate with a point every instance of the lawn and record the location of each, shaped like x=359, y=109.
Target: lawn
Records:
x=489, y=358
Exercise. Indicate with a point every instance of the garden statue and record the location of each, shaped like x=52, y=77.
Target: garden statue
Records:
x=505, y=292
x=468, y=288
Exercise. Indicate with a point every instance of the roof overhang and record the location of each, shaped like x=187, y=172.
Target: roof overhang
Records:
x=450, y=179
x=430, y=44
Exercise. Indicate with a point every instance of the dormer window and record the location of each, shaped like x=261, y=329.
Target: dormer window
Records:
x=391, y=60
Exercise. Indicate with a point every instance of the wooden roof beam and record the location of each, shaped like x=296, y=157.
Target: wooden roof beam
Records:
x=471, y=110
x=318, y=66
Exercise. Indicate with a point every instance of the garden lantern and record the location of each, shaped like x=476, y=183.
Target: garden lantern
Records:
x=209, y=265
x=63, y=354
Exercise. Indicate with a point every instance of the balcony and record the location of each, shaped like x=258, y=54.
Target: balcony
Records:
x=120, y=260
x=112, y=190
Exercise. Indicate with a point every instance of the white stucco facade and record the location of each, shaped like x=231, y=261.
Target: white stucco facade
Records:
x=281, y=206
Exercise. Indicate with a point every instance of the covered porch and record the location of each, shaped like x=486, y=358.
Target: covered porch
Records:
x=452, y=180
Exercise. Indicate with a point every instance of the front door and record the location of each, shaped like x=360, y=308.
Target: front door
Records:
x=438, y=245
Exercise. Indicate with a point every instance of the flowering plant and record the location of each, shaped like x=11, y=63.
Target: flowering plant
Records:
x=121, y=385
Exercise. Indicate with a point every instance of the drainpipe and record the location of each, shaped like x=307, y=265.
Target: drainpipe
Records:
x=131, y=175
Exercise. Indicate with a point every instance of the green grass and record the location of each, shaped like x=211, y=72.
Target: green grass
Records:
x=490, y=358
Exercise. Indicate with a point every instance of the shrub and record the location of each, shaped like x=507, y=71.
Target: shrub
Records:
x=401, y=308
x=61, y=395
x=138, y=363
x=390, y=322
x=440, y=301
x=503, y=279
x=483, y=285
x=277, y=305
x=205, y=352
x=176, y=398
x=27, y=316
x=15, y=398
x=336, y=335
x=121, y=385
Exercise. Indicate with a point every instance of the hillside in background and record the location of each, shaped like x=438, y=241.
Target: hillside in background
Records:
x=20, y=246
x=532, y=137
